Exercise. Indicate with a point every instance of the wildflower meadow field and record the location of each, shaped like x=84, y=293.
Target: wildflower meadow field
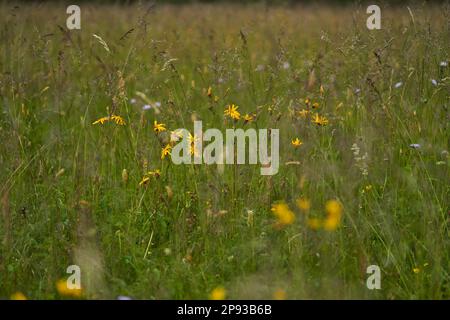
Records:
x=91, y=118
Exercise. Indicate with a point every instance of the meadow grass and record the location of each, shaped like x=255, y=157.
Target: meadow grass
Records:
x=70, y=191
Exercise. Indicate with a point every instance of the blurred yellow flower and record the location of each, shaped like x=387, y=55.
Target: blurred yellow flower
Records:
x=166, y=151
x=303, y=204
x=209, y=92
x=319, y=120
x=307, y=102
x=18, y=296
x=158, y=127
x=279, y=294
x=296, y=142
x=303, y=113
x=218, y=293
x=333, y=208
x=334, y=214
x=331, y=223
x=284, y=215
x=416, y=270
x=248, y=118
x=231, y=111
x=315, y=105
x=61, y=286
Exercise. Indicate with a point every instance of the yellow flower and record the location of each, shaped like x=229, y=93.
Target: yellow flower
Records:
x=209, y=92
x=416, y=270
x=248, y=118
x=218, y=293
x=303, y=204
x=296, y=142
x=315, y=105
x=303, y=113
x=148, y=175
x=232, y=112
x=314, y=223
x=333, y=208
x=144, y=181
x=307, y=102
x=61, y=286
x=284, y=215
x=18, y=296
x=118, y=120
x=166, y=151
x=334, y=211
x=331, y=223
x=279, y=294
x=319, y=120
x=192, y=139
x=101, y=120
x=156, y=173
x=158, y=127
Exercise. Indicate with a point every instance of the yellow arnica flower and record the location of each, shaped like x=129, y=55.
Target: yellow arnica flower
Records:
x=231, y=111
x=296, y=142
x=334, y=211
x=319, y=120
x=192, y=139
x=279, y=294
x=248, y=118
x=315, y=105
x=218, y=293
x=284, y=215
x=303, y=113
x=303, y=204
x=158, y=127
x=156, y=173
x=166, y=151
x=61, y=286
x=148, y=175
x=18, y=296
x=117, y=119
x=101, y=120
x=144, y=181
